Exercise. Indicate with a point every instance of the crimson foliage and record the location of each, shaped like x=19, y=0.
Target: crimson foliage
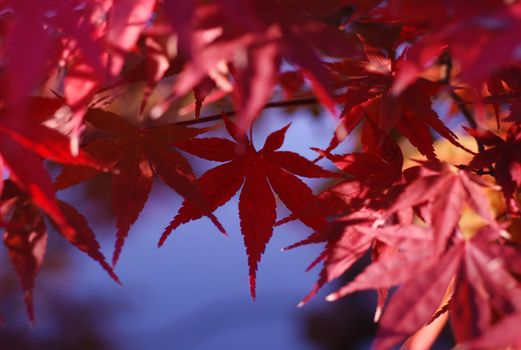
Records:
x=390, y=65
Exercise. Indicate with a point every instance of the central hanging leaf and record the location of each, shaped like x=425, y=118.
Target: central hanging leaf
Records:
x=260, y=173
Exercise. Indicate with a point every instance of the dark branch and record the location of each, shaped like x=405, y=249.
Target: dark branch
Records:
x=464, y=110
x=276, y=104
x=446, y=61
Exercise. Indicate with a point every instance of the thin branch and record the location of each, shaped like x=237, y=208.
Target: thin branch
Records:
x=446, y=60
x=467, y=115
x=464, y=110
x=276, y=104
x=488, y=171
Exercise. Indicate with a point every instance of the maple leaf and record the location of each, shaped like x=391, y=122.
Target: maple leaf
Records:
x=255, y=46
x=445, y=191
x=479, y=36
x=349, y=238
x=90, y=39
x=137, y=154
x=356, y=203
x=395, y=59
x=369, y=97
x=23, y=140
x=26, y=62
x=482, y=283
x=375, y=170
x=371, y=178
x=26, y=249
x=503, y=157
x=259, y=173
x=505, y=81
x=410, y=259
x=404, y=249
x=502, y=335
x=25, y=237
x=156, y=63
x=126, y=22
x=502, y=85
x=415, y=251
x=53, y=39
x=345, y=246
x=406, y=244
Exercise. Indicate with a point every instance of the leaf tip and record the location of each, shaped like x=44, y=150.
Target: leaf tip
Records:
x=377, y=314
x=332, y=297
x=163, y=238
x=218, y=224
x=75, y=146
x=115, y=256
x=28, y=299
x=114, y=277
x=253, y=292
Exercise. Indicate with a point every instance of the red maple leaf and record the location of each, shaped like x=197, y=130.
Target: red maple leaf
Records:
x=504, y=157
x=259, y=173
x=369, y=97
x=90, y=39
x=370, y=181
x=23, y=139
x=25, y=237
x=480, y=36
x=502, y=335
x=348, y=239
x=504, y=87
x=137, y=154
x=440, y=192
x=358, y=204
x=425, y=259
x=373, y=171
x=484, y=290
x=255, y=35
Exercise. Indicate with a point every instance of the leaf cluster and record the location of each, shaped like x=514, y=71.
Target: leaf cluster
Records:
x=404, y=85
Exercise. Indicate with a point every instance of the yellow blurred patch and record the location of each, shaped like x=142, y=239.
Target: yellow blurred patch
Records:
x=445, y=151
x=470, y=222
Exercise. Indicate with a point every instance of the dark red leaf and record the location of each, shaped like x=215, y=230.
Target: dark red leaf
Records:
x=257, y=215
x=27, y=250
x=413, y=305
x=131, y=187
x=84, y=238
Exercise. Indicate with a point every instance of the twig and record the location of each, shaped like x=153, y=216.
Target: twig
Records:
x=276, y=104
x=464, y=110
x=446, y=60
x=488, y=171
